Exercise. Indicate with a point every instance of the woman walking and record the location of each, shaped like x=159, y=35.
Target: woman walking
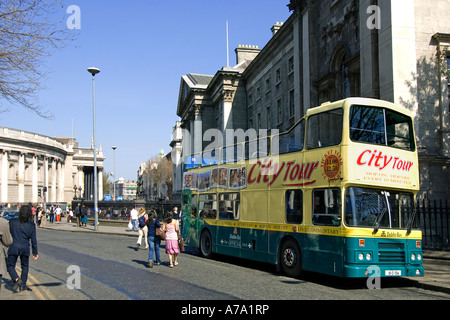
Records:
x=170, y=226
x=23, y=231
x=153, y=241
x=143, y=229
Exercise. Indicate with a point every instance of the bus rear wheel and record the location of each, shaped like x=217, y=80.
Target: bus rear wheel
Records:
x=206, y=244
x=291, y=259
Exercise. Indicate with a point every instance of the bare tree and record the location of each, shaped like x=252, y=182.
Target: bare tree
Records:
x=29, y=32
x=159, y=172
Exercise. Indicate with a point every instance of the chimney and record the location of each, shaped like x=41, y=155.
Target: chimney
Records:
x=276, y=27
x=246, y=52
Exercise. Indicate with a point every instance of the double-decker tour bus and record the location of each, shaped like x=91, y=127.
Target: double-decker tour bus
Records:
x=335, y=194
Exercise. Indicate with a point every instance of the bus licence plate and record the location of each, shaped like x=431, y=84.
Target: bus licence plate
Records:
x=393, y=273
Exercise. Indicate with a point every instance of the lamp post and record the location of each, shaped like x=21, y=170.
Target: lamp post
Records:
x=114, y=170
x=94, y=71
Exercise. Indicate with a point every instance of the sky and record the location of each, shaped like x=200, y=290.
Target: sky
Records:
x=142, y=48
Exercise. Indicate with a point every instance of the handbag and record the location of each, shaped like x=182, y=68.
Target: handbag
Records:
x=180, y=242
x=160, y=233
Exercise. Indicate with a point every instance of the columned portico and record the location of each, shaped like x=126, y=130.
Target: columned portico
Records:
x=30, y=162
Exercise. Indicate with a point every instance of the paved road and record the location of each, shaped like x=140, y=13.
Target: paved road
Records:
x=111, y=268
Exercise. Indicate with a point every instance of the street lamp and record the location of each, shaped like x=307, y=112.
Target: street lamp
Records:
x=114, y=170
x=94, y=71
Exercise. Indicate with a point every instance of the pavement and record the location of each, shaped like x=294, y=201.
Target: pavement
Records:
x=435, y=263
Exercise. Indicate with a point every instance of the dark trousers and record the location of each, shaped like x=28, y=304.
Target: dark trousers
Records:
x=11, y=267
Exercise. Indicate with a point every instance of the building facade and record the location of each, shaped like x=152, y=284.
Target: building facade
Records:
x=155, y=178
x=328, y=50
x=37, y=168
x=125, y=189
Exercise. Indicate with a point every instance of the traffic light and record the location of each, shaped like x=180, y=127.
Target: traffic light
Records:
x=40, y=193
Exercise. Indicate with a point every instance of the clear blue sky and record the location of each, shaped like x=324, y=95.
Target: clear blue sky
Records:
x=142, y=48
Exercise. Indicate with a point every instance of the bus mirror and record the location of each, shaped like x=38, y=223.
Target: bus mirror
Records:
x=329, y=200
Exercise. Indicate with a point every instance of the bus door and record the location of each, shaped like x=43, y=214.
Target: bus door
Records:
x=190, y=224
x=229, y=237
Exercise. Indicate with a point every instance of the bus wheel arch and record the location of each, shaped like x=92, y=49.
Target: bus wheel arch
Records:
x=290, y=257
x=205, y=244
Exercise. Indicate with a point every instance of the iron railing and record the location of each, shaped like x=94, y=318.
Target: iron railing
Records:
x=434, y=219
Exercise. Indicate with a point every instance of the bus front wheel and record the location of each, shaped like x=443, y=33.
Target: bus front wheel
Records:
x=291, y=259
x=206, y=244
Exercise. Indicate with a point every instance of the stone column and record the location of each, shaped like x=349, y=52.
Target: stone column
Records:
x=46, y=194
x=100, y=184
x=60, y=184
x=34, y=181
x=5, y=166
x=198, y=131
x=21, y=177
x=227, y=125
x=53, y=181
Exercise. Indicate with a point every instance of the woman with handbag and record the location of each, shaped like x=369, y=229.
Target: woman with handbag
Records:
x=153, y=241
x=170, y=227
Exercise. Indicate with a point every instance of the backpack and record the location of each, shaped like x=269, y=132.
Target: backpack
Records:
x=142, y=221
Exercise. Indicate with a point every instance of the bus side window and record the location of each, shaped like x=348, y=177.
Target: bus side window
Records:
x=229, y=206
x=294, y=206
x=324, y=129
x=207, y=205
x=327, y=207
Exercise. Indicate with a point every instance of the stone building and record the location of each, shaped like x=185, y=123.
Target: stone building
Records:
x=329, y=50
x=34, y=166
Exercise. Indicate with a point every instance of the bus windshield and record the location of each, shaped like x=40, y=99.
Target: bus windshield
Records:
x=381, y=126
x=374, y=208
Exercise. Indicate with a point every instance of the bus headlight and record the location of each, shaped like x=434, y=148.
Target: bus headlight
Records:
x=413, y=256
x=361, y=256
x=419, y=257
x=368, y=256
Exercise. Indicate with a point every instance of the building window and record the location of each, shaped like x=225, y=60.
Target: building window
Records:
x=291, y=65
x=279, y=112
x=268, y=85
x=269, y=118
x=278, y=76
x=448, y=80
x=291, y=104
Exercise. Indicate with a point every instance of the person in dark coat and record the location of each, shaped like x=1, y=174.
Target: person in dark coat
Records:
x=23, y=231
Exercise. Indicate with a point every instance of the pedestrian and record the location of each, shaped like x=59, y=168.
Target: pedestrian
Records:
x=134, y=219
x=83, y=219
x=58, y=212
x=70, y=215
x=6, y=240
x=52, y=214
x=143, y=229
x=23, y=231
x=78, y=214
x=177, y=217
x=153, y=241
x=42, y=217
x=171, y=229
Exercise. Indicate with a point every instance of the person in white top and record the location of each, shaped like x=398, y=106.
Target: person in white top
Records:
x=134, y=219
x=58, y=212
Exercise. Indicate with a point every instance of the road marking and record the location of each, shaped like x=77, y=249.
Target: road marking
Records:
x=38, y=290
